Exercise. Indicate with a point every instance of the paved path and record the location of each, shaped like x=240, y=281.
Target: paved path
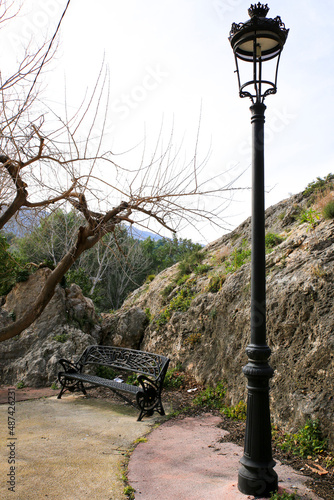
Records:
x=72, y=449
x=68, y=449
x=184, y=460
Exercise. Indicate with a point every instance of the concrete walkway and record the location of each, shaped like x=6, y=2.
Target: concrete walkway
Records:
x=67, y=449
x=72, y=449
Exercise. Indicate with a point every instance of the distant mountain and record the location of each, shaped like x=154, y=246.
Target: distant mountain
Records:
x=138, y=234
x=27, y=219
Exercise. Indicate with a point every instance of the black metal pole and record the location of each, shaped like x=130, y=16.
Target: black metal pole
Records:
x=256, y=475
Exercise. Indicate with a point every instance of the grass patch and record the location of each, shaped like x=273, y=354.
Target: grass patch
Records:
x=272, y=240
x=140, y=440
x=202, y=269
x=284, y=496
x=180, y=302
x=129, y=492
x=238, y=258
x=214, y=398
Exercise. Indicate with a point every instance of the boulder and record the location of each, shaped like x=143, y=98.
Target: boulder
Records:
x=124, y=329
x=67, y=325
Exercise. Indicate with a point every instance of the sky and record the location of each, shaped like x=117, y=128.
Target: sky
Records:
x=170, y=62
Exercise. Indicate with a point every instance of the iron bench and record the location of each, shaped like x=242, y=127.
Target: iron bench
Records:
x=151, y=367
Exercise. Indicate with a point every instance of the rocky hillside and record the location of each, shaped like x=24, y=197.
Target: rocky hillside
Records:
x=199, y=313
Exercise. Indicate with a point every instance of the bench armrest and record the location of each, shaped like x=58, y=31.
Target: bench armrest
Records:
x=69, y=366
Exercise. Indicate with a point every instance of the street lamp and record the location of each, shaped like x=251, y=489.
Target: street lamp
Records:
x=257, y=45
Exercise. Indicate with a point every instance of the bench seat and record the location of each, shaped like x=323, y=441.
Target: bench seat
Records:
x=149, y=368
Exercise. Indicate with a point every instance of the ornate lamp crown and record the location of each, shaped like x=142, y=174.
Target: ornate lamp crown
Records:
x=258, y=10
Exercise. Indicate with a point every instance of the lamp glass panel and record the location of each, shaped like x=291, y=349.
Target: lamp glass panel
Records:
x=266, y=43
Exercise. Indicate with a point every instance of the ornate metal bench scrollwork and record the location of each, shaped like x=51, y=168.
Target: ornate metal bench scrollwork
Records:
x=151, y=368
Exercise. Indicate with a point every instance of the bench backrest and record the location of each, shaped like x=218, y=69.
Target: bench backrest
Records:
x=153, y=365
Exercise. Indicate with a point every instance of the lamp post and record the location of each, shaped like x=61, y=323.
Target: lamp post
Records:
x=257, y=45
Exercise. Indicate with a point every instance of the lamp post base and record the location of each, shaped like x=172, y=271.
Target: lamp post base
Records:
x=259, y=482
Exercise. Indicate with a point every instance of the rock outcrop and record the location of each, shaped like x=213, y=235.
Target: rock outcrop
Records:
x=124, y=330
x=203, y=320
x=67, y=325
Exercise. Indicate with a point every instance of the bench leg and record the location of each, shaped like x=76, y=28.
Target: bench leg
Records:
x=82, y=387
x=149, y=402
x=63, y=389
x=70, y=385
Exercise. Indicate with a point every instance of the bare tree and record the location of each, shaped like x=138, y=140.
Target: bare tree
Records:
x=47, y=161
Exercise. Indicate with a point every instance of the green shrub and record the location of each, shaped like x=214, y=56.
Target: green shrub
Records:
x=11, y=268
x=182, y=300
x=190, y=262
x=202, y=269
x=182, y=280
x=272, y=240
x=194, y=338
x=168, y=289
x=105, y=372
x=162, y=318
x=20, y=385
x=173, y=379
x=237, y=412
x=22, y=275
x=307, y=441
x=215, y=283
x=238, y=258
x=148, y=314
x=62, y=338
x=213, y=313
x=310, y=216
x=212, y=397
x=319, y=185
x=328, y=210
x=132, y=379
x=129, y=492
x=150, y=278
x=284, y=496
